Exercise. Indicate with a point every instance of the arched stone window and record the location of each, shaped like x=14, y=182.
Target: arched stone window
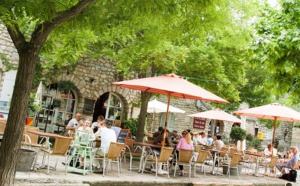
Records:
x=110, y=106
x=171, y=121
x=58, y=106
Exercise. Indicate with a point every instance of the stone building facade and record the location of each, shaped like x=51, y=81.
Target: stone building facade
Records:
x=93, y=81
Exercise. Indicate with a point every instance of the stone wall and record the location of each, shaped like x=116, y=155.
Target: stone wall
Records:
x=8, y=49
x=94, y=77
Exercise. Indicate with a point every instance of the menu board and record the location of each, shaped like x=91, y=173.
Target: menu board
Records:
x=199, y=123
x=88, y=106
x=123, y=135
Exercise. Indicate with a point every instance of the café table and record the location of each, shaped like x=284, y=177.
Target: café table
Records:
x=46, y=145
x=258, y=158
x=47, y=136
x=144, y=152
x=216, y=154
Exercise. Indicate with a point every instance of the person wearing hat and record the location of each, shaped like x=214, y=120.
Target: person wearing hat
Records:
x=291, y=163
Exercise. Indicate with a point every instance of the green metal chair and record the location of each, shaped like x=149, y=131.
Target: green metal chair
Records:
x=82, y=146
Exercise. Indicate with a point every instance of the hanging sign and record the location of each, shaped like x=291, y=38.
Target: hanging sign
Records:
x=199, y=123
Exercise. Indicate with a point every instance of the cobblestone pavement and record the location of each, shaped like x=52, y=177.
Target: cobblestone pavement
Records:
x=58, y=177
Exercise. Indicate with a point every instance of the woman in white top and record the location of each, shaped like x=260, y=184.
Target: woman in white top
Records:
x=268, y=152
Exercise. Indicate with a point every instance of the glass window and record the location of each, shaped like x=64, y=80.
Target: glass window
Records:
x=171, y=121
x=58, y=106
x=114, y=108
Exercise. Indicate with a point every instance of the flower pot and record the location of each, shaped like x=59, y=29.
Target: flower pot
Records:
x=232, y=170
x=26, y=159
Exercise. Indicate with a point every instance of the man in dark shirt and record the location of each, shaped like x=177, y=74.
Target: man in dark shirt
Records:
x=157, y=133
x=158, y=140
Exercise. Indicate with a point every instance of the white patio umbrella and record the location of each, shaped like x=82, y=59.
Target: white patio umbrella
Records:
x=39, y=94
x=155, y=106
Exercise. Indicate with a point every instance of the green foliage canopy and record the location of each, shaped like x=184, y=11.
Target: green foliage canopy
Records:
x=276, y=48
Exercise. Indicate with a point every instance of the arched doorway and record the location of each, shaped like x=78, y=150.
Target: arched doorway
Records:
x=110, y=106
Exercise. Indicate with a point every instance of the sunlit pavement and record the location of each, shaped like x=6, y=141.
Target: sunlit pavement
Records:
x=58, y=177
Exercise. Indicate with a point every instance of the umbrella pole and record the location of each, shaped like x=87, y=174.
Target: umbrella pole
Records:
x=153, y=116
x=166, y=122
x=274, y=133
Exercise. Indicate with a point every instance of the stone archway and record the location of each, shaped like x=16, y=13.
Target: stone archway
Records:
x=112, y=106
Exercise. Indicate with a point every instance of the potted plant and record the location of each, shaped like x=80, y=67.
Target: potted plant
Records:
x=237, y=133
x=253, y=143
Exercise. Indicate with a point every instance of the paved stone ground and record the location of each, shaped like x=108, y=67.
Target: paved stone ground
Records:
x=133, y=178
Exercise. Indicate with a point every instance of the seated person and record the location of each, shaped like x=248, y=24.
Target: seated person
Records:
x=290, y=163
x=218, y=144
x=269, y=151
x=95, y=124
x=117, y=127
x=184, y=143
x=107, y=136
x=157, y=133
x=203, y=140
x=209, y=140
x=158, y=141
x=86, y=127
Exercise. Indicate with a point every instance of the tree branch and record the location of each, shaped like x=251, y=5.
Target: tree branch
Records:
x=16, y=35
x=42, y=31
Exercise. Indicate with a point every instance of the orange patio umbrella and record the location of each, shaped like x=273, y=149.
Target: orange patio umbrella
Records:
x=273, y=111
x=170, y=85
x=217, y=114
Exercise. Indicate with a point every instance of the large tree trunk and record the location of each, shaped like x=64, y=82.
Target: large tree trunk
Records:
x=9, y=150
x=142, y=117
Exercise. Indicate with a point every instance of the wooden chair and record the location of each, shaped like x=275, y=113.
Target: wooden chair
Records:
x=163, y=159
x=271, y=166
x=198, y=148
x=233, y=164
x=203, y=154
x=2, y=127
x=113, y=155
x=185, y=159
x=32, y=140
x=232, y=151
x=132, y=152
x=61, y=147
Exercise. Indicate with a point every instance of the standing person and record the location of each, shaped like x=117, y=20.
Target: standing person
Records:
x=95, y=124
x=157, y=133
x=218, y=143
x=184, y=143
x=117, y=127
x=74, y=123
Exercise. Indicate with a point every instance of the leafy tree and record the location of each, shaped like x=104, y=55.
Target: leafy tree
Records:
x=202, y=40
x=276, y=50
x=42, y=17
x=145, y=38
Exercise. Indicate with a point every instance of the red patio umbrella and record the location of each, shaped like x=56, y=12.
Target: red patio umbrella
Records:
x=170, y=85
x=273, y=111
x=217, y=114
